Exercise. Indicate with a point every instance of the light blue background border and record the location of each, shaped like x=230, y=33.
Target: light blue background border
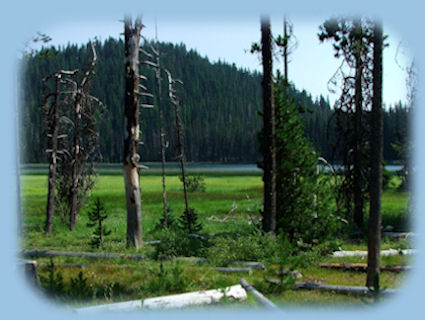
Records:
x=20, y=20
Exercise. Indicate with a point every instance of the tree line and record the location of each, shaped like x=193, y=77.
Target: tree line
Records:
x=220, y=114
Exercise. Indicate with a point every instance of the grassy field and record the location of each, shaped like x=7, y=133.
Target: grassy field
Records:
x=229, y=205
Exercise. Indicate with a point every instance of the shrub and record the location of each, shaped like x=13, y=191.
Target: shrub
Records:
x=165, y=280
x=194, y=183
x=174, y=243
x=254, y=247
x=53, y=283
x=189, y=221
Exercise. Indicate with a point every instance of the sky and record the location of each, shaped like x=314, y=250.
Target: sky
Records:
x=311, y=66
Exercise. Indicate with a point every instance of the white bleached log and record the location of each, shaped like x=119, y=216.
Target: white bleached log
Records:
x=170, y=302
x=360, y=253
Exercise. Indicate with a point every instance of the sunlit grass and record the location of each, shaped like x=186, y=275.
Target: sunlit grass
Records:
x=228, y=206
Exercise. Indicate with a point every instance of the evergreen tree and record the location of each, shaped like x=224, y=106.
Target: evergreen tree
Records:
x=96, y=216
x=303, y=194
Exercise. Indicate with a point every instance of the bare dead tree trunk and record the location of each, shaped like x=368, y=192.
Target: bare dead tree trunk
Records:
x=54, y=131
x=269, y=214
x=75, y=160
x=77, y=138
x=179, y=128
x=131, y=142
x=375, y=183
x=358, y=101
x=163, y=140
x=180, y=147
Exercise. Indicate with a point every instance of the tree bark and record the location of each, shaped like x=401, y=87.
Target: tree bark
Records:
x=77, y=139
x=375, y=183
x=75, y=160
x=131, y=157
x=358, y=101
x=269, y=213
x=50, y=210
x=163, y=140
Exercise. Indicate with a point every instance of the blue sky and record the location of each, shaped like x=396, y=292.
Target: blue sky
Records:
x=312, y=63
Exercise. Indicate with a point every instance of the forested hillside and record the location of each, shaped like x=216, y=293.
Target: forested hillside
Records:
x=220, y=106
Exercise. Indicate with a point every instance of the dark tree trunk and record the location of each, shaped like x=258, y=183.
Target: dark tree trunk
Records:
x=269, y=214
x=54, y=131
x=180, y=148
x=376, y=142
x=131, y=157
x=285, y=48
x=357, y=164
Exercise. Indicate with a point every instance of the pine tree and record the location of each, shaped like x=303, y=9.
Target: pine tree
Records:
x=97, y=215
x=303, y=197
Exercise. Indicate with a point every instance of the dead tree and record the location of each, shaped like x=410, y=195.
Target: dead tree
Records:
x=375, y=184
x=269, y=212
x=80, y=94
x=131, y=142
x=71, y=131
x=175, y=101
x=155, y=55
x=51, y=106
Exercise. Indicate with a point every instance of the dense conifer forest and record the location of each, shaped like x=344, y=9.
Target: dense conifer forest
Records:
x=220, y=107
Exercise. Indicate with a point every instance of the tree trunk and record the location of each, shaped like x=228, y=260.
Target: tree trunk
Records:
x=131, y=157
x=376, y=143
x=269, y=214
x=163, y=140
x=75, y=160
x=357, y=165
x=180, y=148
x=50, y=210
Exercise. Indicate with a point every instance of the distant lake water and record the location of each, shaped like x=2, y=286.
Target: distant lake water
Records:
x=191, y=166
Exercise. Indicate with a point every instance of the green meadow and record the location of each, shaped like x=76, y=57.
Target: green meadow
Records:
x=229, y=207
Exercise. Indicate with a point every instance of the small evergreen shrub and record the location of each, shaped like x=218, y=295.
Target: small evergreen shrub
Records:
x=97, y=215
x=189, y=221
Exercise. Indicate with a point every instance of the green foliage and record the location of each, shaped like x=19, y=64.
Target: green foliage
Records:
x=96, y=216
x=304, y=210
x=386, y=178
x=79, y=289
x=253, y=247
x=165, y=280
x=175, y=243
x=194, y=183
x=171, y=221
x=286, y=261
x=53, y=283
x=189, y=221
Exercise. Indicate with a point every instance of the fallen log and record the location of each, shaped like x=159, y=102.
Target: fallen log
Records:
x=338, y=289
x=171, y=302
x=251, y=264
x=363, y=267
x=90, y=255
x=234, y=270
x=398, y=235
x=258, y=295
x=363, y=253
